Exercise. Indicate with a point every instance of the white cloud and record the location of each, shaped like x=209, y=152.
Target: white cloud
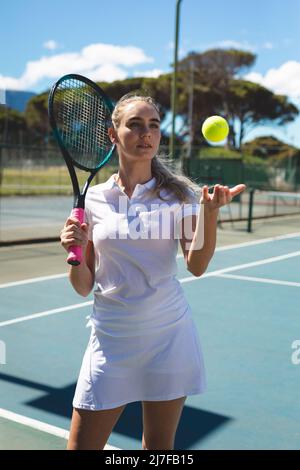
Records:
x=240, y=45
x=229, y=43
x=102, y=73
x=98, y=61
x=51, y=45
x=244, y=45
x=284, y=80
x=268, y=45
x=149, y=73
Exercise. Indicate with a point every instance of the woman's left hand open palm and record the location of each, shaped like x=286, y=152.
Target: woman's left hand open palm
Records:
x=221, y=195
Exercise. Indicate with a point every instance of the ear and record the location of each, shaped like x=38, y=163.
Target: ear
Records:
x=113, y=135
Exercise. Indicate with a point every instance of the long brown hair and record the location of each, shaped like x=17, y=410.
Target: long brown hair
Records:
x=163, y=168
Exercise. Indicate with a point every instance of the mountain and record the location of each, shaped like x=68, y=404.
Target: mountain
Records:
x=16, y=99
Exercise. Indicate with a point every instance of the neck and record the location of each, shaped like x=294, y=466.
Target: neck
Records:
x=129, y=177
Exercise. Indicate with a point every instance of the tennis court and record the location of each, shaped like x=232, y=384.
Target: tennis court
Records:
x=227, y=98
x=246, y=308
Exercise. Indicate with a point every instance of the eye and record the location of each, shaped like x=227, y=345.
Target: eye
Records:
x=139, y=124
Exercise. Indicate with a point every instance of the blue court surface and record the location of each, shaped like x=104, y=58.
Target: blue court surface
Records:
x=247, y=311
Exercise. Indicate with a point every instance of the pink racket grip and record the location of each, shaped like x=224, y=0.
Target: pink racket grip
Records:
x=75, y=252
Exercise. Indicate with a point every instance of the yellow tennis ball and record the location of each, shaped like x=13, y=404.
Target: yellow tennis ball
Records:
x=215, y=129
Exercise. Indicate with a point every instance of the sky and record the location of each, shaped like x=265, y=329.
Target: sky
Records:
x=43, y=40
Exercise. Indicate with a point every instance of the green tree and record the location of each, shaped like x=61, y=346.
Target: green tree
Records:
x=12, y=126
x=118, y=88
x=218, y=89
x=268, y=146
x=211, y=73
x=159, y=88
x=212, y=79
x=36, y=116
x=250, y=104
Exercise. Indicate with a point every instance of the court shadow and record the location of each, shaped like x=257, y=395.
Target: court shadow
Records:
x=54, y=400
x=194, y=425
x=57, y=401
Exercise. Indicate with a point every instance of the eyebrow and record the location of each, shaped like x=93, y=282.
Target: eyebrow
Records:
x=136, y=118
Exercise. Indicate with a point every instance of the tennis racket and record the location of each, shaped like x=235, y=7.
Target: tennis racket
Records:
x=80, y=115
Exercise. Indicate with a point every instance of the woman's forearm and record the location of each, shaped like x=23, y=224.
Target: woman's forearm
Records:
x=81, y=278
x=198, y=259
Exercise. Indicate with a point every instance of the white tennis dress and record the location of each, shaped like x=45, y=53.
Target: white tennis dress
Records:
x=144, y=344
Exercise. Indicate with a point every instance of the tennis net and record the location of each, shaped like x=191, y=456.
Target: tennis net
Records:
x=269, y=204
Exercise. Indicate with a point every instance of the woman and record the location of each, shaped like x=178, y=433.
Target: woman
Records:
x=144, y=344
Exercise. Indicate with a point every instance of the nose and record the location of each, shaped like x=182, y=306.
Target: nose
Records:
x=145, y=131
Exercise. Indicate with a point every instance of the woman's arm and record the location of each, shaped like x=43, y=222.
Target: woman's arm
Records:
x=82, y=277
x=199, y=247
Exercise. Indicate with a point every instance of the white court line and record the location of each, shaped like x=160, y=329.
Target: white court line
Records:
x=259, y=242
x=254, y=242
x=46, y=313
x=242, y=266
x=40, y=426
x=186, y=279
x=260, y=279
x=221, y=248
x=32, y=280
x=59, y=432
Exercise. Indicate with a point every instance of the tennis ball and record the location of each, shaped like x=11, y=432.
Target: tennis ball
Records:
x=215, y=129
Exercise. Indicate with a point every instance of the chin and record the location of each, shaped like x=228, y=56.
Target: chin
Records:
x=145, y=155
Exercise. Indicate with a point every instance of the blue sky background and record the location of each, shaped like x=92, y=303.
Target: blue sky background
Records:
x=41, y=41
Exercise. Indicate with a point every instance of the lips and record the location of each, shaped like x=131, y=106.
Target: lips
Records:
x=145, y=146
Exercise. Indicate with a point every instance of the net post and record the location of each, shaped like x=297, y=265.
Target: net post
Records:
x=250, y=211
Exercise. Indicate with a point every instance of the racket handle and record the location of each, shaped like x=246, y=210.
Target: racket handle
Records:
x=75, y=252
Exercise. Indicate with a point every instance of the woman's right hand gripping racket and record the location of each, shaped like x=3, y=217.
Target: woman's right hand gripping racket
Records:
x=80, y=115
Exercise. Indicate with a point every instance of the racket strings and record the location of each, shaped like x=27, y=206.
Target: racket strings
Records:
x=83, y=119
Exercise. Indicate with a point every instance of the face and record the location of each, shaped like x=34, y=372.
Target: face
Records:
x=138, y=135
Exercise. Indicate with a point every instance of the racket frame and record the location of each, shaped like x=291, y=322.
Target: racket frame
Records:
x=79, y=196
x=75, y=251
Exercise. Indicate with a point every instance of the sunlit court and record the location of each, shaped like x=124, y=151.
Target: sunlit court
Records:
x=96, y=123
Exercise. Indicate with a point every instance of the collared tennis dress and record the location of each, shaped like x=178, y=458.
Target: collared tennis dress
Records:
x=144, y=344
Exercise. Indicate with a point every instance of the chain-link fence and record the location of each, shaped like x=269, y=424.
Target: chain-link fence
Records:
x=41, y=171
